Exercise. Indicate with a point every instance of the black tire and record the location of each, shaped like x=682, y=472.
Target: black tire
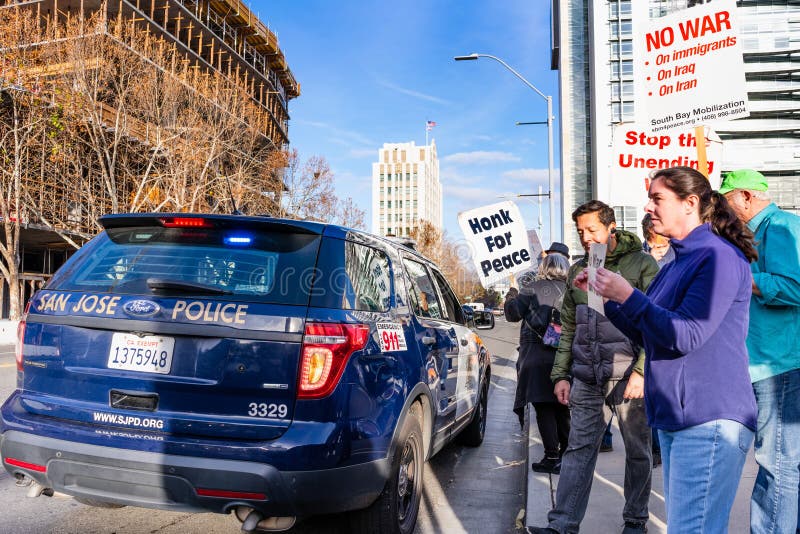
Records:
x=473, y=433
x=98, y=504
x=396, y=508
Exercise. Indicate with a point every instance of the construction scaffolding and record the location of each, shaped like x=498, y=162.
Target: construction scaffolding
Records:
x=143, y=105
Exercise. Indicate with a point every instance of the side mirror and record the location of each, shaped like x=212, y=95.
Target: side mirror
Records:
x=469, y=313
x=484, y=320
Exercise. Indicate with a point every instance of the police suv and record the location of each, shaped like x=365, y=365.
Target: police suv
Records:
x=272, y=368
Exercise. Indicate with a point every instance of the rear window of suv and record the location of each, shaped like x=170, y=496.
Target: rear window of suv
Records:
x=352, y=276
x=245, y=265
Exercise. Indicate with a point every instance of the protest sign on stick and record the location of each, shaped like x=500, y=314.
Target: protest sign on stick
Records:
x=498, y=240
x=693, y=70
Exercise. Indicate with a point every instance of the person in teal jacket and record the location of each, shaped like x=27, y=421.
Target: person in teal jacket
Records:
x=773, y=344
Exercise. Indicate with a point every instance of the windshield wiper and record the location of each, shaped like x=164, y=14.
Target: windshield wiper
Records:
x=162, y=284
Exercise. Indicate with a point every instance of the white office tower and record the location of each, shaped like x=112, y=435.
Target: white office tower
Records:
x=405, y=188
x=593, y=48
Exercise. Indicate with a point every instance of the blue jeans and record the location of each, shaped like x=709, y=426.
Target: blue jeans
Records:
x=774, y=505
x=592, y=407
x=702, y=468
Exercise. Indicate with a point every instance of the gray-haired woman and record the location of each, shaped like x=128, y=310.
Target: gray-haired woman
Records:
x=536, y=304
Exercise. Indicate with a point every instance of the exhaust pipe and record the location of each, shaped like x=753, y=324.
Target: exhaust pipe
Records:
x=34, y=488
x=252, y=520
x=255, y=521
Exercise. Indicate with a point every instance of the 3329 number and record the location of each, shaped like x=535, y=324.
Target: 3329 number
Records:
x=270, y=411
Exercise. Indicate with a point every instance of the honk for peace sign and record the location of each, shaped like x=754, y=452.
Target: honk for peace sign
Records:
x=498, y=239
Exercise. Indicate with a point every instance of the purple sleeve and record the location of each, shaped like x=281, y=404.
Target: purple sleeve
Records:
x=706, y=302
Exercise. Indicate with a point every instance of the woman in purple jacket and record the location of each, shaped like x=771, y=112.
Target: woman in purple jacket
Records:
x=693, y=324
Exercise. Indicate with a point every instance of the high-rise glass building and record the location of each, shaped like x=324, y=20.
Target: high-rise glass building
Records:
x=593, y=47
x=405, y=188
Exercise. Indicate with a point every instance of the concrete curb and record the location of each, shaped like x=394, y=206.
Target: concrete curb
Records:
x=541, y=486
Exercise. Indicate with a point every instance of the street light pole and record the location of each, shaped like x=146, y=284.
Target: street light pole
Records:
x=549, y=101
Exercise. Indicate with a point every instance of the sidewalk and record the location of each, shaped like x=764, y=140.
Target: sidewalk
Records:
x=604, y=514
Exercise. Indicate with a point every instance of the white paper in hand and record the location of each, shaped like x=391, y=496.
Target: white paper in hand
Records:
x=597, y=258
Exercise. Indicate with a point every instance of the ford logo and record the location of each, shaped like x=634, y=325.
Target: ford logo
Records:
x=141, y=308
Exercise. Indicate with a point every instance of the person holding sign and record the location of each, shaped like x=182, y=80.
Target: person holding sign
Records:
x=537, y=304
x=598, y=372
x=693, y=324
x=773, y=343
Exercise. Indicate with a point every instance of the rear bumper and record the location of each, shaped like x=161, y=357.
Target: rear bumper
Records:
x=170, y=482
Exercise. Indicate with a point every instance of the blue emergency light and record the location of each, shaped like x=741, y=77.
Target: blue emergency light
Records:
x=237, y=240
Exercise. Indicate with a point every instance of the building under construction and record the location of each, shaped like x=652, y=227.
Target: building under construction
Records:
x=217, y=38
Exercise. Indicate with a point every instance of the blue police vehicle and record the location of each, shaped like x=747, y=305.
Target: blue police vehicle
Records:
x=272, y=368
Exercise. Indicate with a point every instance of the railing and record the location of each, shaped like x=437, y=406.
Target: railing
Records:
x=247, y=53
x=219, y=27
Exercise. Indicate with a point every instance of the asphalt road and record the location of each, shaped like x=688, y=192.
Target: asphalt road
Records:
x=478, y=490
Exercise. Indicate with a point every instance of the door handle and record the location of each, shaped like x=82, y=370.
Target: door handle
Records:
x=428, y=340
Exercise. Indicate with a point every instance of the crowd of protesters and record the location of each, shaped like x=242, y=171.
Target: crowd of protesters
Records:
x=696, y=352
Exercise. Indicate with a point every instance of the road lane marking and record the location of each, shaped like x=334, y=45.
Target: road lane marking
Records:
x=7, y=365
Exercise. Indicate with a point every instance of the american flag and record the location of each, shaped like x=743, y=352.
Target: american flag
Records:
x=429, y=125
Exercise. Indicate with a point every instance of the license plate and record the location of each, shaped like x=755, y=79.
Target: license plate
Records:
x=147, y=354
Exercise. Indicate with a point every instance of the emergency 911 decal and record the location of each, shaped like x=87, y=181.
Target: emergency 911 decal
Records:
x=392, y=338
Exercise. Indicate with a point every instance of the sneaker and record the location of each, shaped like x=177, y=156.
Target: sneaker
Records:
x=656, y=458
x=634, y=528
x=541, y=530
x=547, y=465
x=606, y=447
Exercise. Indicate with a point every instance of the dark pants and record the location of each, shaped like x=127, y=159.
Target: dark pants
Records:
x=592, y=407
x=552, y=418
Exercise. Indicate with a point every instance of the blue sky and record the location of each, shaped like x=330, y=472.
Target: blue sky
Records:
x=374, y=72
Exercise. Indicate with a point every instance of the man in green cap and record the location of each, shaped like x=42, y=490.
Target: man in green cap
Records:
x=773, y=343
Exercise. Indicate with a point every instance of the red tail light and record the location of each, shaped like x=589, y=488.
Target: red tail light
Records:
x=226, y=494
x=185, y=222
x=21, y=337
x=326, y=349
x=26, y=465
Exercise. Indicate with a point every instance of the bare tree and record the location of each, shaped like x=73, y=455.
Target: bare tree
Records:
x=310, y=194
x=23, y=123
x=309, y=185
x=99, y=116
x=429, y=239
x=347, y=213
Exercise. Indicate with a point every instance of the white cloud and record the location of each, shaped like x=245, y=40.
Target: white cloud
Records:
x=531, y=177
x=480, y=157
x=414, y=94
x=364, y=152
x=528, y=175
x=478, y=195
x=451, y=175
x=340, y=136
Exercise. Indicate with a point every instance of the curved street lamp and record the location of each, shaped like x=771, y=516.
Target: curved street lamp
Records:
x=549, y=101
